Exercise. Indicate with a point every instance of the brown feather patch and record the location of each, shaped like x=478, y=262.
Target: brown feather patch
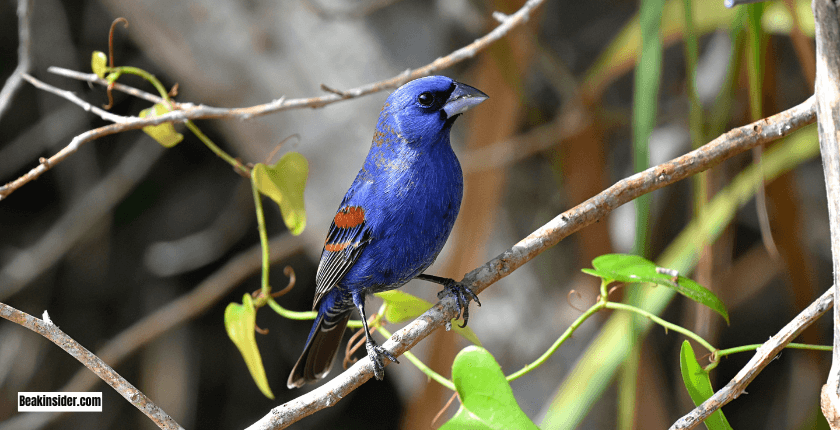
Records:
x=335, y=247
x=349, y=217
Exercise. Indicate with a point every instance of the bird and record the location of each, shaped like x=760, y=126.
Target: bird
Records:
x=393, y=221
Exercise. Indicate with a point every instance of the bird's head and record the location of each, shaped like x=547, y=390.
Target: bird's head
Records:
x=425, y=108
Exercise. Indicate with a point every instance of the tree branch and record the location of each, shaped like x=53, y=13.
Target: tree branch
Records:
x=827, y=90
x=92, y=362
x=586, y=213
x=192, y=112
x=93, y=79
x=107, y=116
x=24, y=10
x=763, y=356
x=175, y=313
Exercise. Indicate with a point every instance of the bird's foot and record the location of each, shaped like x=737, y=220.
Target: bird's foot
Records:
x=462, y=294
x=376, y=353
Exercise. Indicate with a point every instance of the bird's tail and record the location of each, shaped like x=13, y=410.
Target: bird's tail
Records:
x=320, y=350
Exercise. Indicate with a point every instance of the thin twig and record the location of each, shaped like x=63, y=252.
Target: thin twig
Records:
x=444, y=408
x=568, y=123
x=24, y=11
x=336, y=95
x=177, y=312
x=192, y=112
x=92, y=362
x=108, y=116
x=78, y=141
x=92, y=78
x=763, y=356
x=588, y=212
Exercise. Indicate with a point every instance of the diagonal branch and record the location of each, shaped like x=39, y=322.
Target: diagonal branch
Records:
x=193, y=112
x=69, y=95
x=92, y=362
x=763, y=356
x=725, y=146
x=507, y=23
x=94, y=79
x=172, y=315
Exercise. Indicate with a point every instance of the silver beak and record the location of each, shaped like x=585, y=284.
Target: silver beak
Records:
x=463, y=98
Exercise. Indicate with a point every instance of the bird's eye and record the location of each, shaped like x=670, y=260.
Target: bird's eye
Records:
x=426, y=99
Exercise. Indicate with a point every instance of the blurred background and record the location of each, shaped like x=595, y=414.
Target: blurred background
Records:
x=124, y=228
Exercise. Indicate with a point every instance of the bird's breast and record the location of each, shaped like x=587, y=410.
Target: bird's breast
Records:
x=410, y=220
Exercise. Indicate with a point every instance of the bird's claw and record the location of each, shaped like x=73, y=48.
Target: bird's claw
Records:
x=376, y=352
x=462, y=295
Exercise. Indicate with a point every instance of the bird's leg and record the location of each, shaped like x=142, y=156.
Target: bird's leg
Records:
x=461, y=292
x=374, y=351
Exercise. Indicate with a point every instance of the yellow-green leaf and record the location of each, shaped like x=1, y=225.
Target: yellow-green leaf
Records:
x=99, y=63
x=284, y=182
x=240, y=321
x=165, y=133
x=402, y=306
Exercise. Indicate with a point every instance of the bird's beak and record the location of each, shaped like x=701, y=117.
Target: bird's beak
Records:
x=463, y=98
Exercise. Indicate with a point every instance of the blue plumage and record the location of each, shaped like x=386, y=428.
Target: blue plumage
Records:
x=394, y=219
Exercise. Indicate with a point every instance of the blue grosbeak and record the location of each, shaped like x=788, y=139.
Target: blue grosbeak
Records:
x=394, y=219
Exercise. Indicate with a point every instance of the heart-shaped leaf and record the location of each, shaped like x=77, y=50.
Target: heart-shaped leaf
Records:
x=284, y=182
x=487, y=401
x=165, y=133
x=99, y=63
x=240, y=321
x=633, y=268
x=403, y=307
x=699, y=386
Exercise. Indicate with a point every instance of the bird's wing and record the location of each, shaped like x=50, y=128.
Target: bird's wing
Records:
x=347, y=237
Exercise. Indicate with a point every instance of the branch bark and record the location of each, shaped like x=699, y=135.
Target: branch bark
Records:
x=92, y=362
x=722, y=148
x=588, y=212
x=763, y=356
x=155, y=324
x=827, y=90
x=192, y=112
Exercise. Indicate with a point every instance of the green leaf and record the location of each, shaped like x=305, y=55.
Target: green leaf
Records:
x=487, y=400
x=284, y=182
x=594, y=371
x=165, y=133
x=402, y=306
x=99, y=63
x=699, y=386
x=240, y=321
x=632, y=268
